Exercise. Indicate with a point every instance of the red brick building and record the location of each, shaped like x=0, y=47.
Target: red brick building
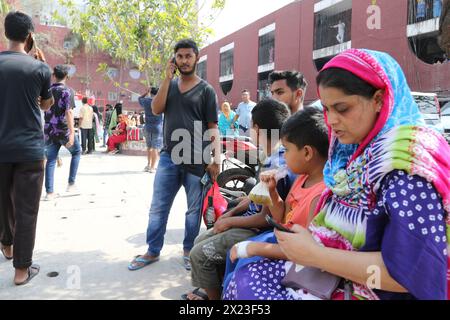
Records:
x=85, y=79
x=303, y=36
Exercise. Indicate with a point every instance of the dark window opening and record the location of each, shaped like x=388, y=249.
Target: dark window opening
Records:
x=320, y=63
x=263, y=86
x=427, y=49
x=266, y=49
x=332, y=29
x=202, y=70
x=226, y=63
x=226, y=87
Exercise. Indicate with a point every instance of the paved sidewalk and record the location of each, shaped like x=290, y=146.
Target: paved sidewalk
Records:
x=90, y=239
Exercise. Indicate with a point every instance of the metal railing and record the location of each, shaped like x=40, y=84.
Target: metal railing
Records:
x=421, y=10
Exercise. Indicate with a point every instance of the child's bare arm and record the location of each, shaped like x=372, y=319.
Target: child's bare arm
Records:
x=262, y=249
x=314, y=203
x=278, y=208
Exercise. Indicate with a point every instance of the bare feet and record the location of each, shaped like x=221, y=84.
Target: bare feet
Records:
x=7, y=252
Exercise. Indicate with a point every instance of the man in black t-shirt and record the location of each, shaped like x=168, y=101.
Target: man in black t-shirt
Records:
x=25, y=91
x=190, y=125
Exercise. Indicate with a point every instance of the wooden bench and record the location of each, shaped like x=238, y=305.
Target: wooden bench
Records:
x=133, y=148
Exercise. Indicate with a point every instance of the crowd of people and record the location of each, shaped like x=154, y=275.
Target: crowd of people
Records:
x=365, y=184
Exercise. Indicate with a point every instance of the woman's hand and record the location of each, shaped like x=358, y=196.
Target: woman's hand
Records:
x=300, y=247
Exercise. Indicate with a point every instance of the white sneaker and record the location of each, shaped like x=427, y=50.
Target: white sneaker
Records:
x=50, y=197
x=147, y=169
x=73, y=190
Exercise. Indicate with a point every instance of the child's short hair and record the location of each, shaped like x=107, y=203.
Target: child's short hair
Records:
x=270, y=115
x=307, y=128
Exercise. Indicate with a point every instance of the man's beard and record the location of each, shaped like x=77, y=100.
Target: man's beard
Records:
x=190, y=73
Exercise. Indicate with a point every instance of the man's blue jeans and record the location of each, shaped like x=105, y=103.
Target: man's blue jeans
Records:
x=168, y=181
x=51, y=151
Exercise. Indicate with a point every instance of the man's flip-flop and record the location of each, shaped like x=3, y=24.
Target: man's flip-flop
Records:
x=144, y=262
x=197, y=293
x=33, y=271
x=4, y=254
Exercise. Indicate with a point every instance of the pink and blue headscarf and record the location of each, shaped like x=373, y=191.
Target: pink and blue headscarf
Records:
x=428, y=152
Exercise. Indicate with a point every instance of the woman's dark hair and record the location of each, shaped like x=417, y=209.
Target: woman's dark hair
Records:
x=307, y=128
x=345, y=81
x=270, y=115
x=118, y=107
x=84, y=100
x=18, y=26
x=187, y=44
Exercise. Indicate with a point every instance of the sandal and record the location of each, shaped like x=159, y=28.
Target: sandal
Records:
x=187, y=263
x=4, y=254
x=133, y=266
x=33, y=271
x=197, y=293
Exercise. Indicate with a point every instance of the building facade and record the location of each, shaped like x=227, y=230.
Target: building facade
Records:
x=57, y=43
x=305, y=34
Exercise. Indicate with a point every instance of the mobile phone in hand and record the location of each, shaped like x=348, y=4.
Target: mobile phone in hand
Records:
x=30, y=44
x=174, y=61
x=276, y=225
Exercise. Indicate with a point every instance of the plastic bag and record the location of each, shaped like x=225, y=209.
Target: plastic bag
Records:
x=260, y=193
x=220, y=204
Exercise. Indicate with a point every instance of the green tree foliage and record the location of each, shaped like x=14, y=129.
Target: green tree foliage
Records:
x=4, y=8
x=140, y=33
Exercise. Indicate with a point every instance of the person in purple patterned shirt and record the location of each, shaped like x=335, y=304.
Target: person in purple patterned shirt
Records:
x=59, y=131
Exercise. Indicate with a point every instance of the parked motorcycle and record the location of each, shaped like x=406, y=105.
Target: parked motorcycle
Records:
x=241, y=160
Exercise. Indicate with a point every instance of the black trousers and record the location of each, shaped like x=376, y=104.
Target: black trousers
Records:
x=87, y=137
x=20, y=193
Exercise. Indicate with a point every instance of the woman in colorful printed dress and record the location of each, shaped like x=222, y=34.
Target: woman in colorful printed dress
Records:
x=382, y=223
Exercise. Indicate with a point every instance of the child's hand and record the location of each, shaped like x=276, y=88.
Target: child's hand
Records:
x=245, y=251
x=233, y=254
x=269, y=180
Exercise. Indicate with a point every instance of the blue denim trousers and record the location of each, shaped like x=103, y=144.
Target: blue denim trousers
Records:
x=105, y=136
x=168, y=181
x=51, y=151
